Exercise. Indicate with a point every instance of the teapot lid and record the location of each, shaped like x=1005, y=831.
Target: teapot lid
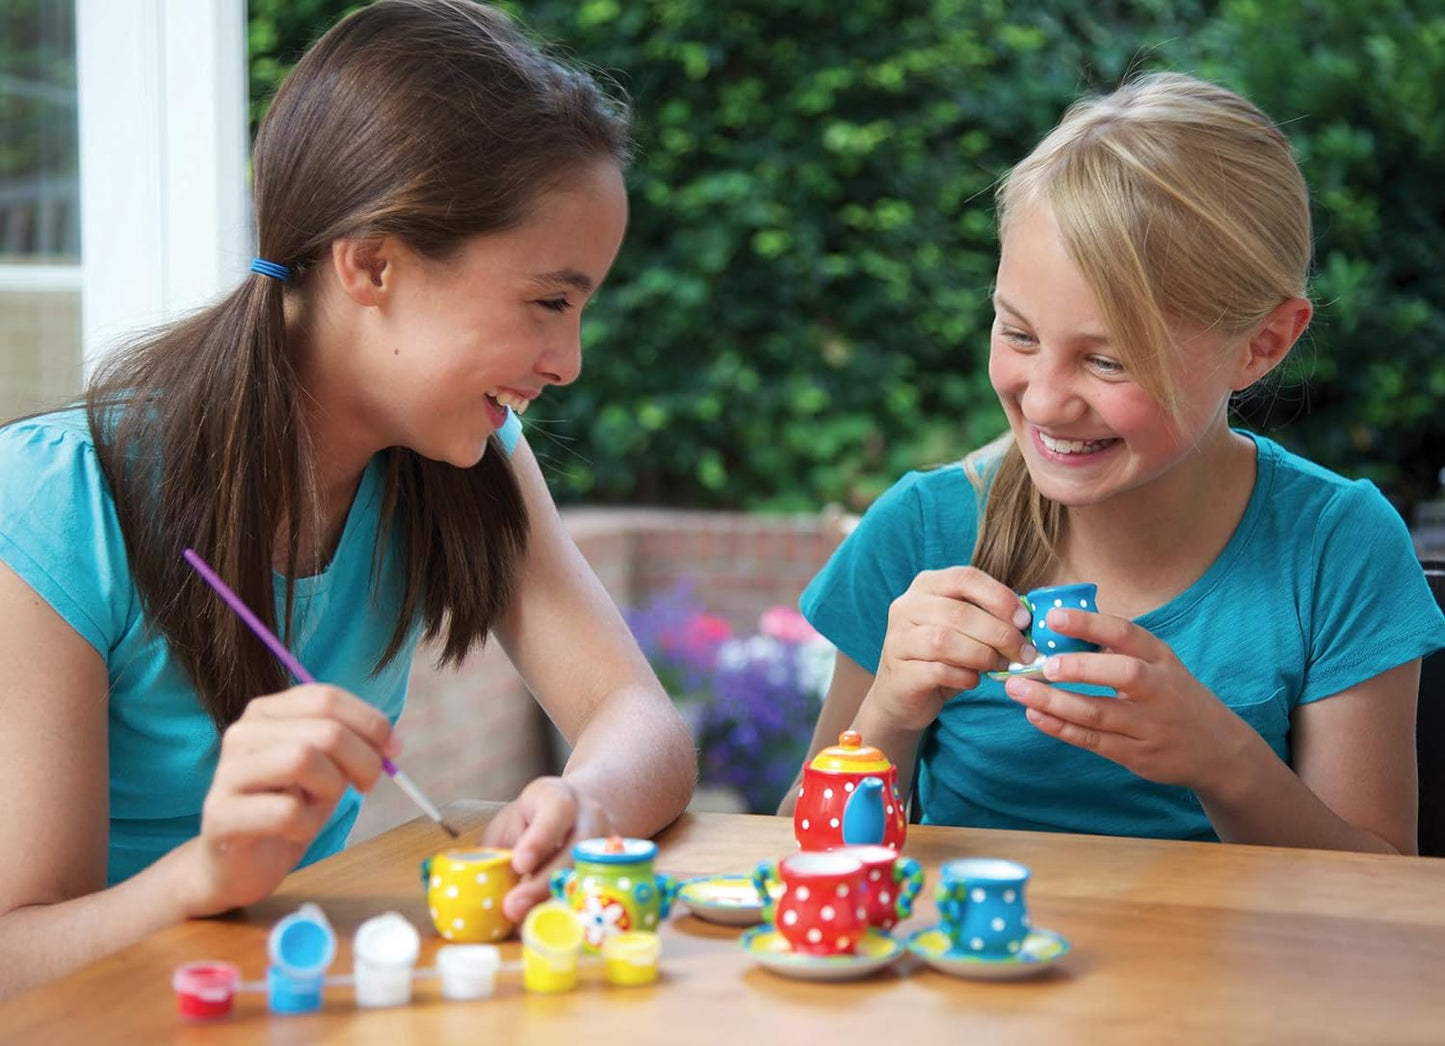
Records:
x=851, y=756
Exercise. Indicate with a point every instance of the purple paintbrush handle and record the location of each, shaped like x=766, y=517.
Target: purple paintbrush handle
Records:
x=257, y=626
x=233, y=601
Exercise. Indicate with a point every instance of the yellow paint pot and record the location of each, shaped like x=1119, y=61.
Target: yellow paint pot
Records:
x=551, y=940
x=631, y=958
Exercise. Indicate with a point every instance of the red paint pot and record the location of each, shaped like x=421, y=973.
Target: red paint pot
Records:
x=205, y=990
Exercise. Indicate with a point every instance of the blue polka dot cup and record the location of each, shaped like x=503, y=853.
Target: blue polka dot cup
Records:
x=1065, y=597
x=981, y=905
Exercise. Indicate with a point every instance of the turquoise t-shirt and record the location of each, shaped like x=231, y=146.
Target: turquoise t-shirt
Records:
x=1317, y=590
x=60, y=534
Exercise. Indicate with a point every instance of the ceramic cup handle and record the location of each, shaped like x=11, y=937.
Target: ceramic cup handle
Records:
x=766, y=872
x=949, y=907
x=561, y=880
x=908, y=875
x=667, y=887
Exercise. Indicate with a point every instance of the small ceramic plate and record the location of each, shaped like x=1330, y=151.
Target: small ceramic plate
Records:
x=1040, y=950
x=875, y=951
x=728, y=899
x=1017, y=669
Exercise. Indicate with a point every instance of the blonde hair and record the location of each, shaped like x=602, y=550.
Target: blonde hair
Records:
x=1183, y=207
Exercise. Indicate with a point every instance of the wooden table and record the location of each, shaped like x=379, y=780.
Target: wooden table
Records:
x=1172, y=942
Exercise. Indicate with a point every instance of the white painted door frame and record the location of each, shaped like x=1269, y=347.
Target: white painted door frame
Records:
x=165, y=219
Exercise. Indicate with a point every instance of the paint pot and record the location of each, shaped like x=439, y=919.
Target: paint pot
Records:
x=205, y=990
x=385, y=949
x=468, y=971
x=631, y=958
x=301, y=946
x=551, y=939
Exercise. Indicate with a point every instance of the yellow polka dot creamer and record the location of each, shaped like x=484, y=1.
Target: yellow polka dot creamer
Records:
x=464, y=891
x=613, y=888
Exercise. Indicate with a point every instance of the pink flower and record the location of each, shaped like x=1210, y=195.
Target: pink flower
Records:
x=702, y=634
x=787, y=624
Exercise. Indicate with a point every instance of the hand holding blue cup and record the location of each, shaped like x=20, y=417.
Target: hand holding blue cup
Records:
x=1065, y=597
x=981, y=906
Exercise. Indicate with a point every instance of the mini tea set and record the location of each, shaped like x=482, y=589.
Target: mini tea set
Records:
x=590, y=919
x=830, y=909
x=827, y=912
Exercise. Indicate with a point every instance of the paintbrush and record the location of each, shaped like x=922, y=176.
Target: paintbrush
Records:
x=298, y=670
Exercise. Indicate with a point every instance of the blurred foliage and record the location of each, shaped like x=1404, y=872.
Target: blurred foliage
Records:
x=800, y=310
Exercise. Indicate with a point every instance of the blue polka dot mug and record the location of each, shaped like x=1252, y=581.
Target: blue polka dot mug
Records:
x=981, y=904
x=1068, y=597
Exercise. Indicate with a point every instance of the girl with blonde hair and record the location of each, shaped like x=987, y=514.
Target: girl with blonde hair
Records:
x=1260, y=619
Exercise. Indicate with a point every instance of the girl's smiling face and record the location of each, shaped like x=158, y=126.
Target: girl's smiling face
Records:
x=1087, y=430
x=446, y=343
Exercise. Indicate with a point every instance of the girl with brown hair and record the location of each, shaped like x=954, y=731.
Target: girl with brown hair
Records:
x=436, y=201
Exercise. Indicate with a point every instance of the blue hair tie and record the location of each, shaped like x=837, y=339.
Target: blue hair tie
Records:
x=271, y=269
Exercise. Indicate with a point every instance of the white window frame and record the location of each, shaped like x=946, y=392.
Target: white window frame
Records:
x=164, y=214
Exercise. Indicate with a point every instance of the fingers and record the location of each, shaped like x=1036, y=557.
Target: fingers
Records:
x=983, y=639
x=286, y=764
x=520, y=899
x=927, y=675
x=309, y=720
x=1122, y=672
x=319, y=701
x=950, y=645
x=540, y=827
x=550, y=809
x=972, y=585
x=320, y=755
x=1110, y=632
x=278, y=815
x=1085, y=720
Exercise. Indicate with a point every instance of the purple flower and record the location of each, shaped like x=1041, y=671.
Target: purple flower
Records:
x=757, y=697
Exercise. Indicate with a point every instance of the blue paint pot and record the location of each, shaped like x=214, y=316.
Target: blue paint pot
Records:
x=302, y=947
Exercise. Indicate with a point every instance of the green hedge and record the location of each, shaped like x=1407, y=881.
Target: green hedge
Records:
x=800, y=311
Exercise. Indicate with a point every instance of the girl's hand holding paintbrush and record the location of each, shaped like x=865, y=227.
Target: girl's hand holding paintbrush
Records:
x=283, y=767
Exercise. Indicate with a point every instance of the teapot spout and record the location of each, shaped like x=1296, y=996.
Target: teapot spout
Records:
x=864, y=822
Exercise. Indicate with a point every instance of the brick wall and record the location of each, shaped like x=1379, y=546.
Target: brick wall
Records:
x=475, y=732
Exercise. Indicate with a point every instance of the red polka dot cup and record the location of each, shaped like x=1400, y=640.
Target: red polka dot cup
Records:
x=823, y=906
x=893, y=883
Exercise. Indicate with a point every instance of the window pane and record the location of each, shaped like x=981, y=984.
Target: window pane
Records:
x=39, y=205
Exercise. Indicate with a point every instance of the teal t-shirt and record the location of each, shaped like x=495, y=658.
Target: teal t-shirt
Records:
x=1317, y=590
x=60, y=534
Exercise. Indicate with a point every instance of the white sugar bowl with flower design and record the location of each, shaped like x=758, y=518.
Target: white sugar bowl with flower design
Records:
x=613, y=888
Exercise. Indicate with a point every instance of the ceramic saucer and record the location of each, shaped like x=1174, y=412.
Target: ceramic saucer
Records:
x=875, y=951
x=1015, y=669
x=728, y=899
x=1040, y=950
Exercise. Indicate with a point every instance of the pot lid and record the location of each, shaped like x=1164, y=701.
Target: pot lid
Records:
x=614, y=849
x=851, y=756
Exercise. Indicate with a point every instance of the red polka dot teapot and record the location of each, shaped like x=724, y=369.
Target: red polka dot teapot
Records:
x=849, y=797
